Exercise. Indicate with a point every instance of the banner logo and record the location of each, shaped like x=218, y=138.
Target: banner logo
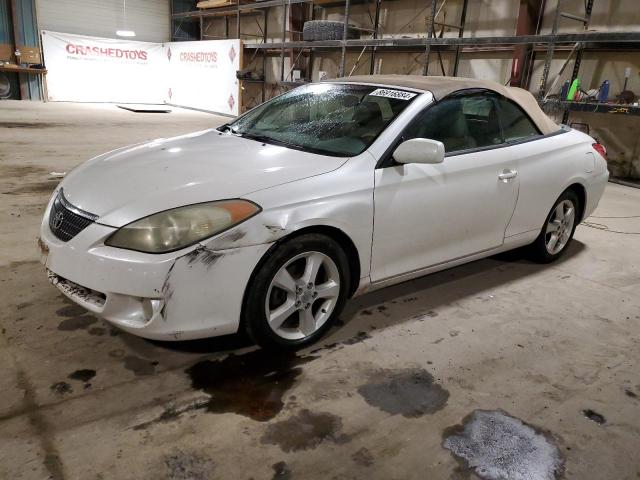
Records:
x=84, y=50
x=199, y=57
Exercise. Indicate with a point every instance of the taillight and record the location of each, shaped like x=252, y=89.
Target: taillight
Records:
x=598, y=147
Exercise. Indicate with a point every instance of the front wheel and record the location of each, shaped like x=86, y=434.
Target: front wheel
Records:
x=296, y=294
x=557, y=232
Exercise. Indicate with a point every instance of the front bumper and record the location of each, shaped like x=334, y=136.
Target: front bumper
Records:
x=192, y=293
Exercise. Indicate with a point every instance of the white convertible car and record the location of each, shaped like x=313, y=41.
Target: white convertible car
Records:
x=272, y=221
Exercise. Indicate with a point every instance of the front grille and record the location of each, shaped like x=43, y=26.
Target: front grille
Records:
x=66, y=221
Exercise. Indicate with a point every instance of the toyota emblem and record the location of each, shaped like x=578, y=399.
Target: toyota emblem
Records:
x=57, y=220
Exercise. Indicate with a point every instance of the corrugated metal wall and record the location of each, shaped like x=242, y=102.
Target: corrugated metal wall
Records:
x=6, y=32
x=6, y=36
x=22, y=85
x=101, y=18
x=28, y=35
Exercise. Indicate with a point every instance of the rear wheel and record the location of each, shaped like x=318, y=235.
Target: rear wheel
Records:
x=557, y=232
x=297, y=293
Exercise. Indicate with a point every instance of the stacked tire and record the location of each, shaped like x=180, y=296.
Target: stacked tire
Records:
x=5, y=87
x=315, y=30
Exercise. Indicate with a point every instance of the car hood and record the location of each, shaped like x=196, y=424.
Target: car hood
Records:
x=133, y=182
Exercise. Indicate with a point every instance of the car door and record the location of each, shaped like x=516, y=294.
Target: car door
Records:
x=427, y=215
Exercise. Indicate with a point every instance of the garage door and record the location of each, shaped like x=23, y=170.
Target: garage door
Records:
x=101, y=18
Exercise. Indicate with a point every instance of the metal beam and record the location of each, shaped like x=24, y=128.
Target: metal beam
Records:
x=542, y=87
x=376, y=25
x=345, y=35
x=284, y=38
x=528, y=23
x=237, y=19
x=593, y=37
x=263, y=87
x=463, y=20
x=588, y=7
x=574, y=17
x=430, y=35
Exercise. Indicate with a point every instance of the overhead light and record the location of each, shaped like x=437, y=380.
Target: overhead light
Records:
x=124, y=32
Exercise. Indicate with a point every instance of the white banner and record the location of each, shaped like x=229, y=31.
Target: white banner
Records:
x=202, y=75
x=198, y=74
x=92, y=69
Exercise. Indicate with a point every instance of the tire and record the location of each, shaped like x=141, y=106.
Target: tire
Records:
x=313, y=30
x=543, y=249
x=302, y=306
x=5, y=87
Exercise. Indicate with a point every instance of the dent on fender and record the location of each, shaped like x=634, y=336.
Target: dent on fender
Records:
x=197, y=263
x=242, y=236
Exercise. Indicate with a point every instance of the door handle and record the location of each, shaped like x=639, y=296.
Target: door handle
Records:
x=507, y=175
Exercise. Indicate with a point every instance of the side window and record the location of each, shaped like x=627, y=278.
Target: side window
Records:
x=516, y=125
x=460, y=123
x=481, y=114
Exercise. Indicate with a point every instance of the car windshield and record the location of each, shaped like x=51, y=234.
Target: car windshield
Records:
x=330, y=119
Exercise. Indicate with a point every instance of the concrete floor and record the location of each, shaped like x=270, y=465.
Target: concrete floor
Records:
x=375, y=399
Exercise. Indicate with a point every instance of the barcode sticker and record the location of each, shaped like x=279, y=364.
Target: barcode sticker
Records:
x=397, y=94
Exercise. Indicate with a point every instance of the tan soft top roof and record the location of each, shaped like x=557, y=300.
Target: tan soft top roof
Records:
x=440, y=87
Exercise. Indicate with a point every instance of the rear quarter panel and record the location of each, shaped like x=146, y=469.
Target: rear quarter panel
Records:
x=546, y=167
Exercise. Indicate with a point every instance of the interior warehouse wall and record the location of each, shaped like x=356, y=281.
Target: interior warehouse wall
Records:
x=101, y=18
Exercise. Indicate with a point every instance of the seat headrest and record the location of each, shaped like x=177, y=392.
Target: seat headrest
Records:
x=368, y=112
x=453, y=122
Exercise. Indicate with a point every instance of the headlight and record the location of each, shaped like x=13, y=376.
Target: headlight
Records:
x=180, y=227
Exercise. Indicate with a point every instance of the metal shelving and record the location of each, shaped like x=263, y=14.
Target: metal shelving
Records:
x=429, y=42
x=609, y=40
x=590, y=107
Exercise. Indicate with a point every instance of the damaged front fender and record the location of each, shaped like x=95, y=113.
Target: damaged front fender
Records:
x=203, y=291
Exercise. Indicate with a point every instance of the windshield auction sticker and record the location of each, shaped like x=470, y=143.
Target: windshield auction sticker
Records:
x=397, y=94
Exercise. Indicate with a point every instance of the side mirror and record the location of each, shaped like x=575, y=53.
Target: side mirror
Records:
x=419, y=150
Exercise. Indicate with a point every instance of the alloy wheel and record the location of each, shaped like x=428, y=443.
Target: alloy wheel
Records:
x=302, y=295
x=560, y=227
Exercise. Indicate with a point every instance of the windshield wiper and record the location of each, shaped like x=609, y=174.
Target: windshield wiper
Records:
x=266, y=139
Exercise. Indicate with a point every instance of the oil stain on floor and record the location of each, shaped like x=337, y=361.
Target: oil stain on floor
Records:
x=140, y=366
x=305, y=430
x=61, y=388
x=281, y=471
x=83, y=375
x=594, y=416
x=77, y=323
x=410, y=393
x=498, y=446
x=252, y=384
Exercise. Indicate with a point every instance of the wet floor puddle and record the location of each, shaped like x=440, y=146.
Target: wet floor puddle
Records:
x=408, y=392
x=252, y=384
x=305, y=430
x=498, y=446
